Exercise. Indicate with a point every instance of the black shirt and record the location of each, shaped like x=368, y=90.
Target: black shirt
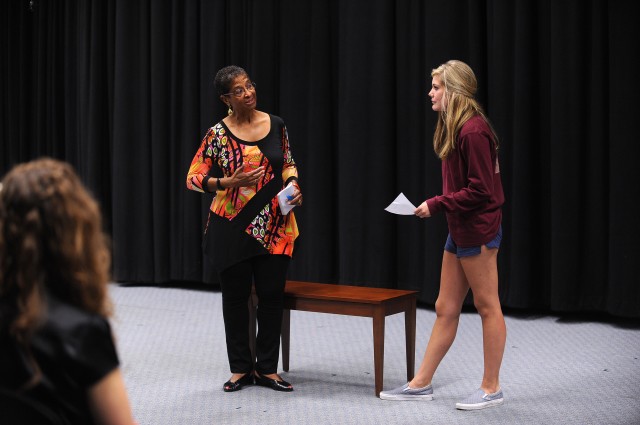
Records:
x=74, y=350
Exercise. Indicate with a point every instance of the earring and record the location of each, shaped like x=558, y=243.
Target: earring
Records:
x=229, y=111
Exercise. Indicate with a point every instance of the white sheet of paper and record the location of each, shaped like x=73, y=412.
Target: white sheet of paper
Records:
x=284, y=196
x=401, y=205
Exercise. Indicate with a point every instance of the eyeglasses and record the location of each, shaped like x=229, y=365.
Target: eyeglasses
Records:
x=239, y=91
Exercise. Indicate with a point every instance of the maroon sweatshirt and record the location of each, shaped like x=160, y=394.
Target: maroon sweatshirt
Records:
x=471, y=186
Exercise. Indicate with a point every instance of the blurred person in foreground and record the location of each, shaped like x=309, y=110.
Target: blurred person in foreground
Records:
x=58, y=362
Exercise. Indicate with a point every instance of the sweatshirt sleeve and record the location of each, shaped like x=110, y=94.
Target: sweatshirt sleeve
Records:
x=469, y=183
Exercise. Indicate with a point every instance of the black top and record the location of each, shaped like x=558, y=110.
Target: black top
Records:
x=74, y=350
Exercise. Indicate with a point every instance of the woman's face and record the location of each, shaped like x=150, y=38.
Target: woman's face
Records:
x=242, y=94
x=438, y=99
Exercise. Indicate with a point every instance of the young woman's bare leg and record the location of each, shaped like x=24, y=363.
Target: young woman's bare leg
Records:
x=481, y=272
x=453, y=290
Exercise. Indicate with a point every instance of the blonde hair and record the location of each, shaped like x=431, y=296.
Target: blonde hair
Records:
x=51, y=240
x=460, y=86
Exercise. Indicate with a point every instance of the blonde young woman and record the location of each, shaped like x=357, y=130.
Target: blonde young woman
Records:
x=58, y=362
x=472, y=199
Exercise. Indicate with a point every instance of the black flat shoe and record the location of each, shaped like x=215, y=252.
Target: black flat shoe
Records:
x=230, y=387
x=274, y=384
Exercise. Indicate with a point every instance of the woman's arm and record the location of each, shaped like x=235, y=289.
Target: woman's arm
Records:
x=289, y=169
x=198, y=178
x=198, y=174
x=108, y=401
x=470, y=179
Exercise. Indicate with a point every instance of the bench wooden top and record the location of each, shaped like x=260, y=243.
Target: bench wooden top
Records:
x=345, y=293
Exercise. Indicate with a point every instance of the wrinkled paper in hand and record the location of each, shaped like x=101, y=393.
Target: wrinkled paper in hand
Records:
x=284, y=196
x=401, y=205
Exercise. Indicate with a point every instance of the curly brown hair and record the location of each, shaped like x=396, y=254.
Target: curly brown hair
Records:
x=51, y=240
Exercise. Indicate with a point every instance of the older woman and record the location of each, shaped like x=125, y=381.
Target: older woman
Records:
x=248, y=239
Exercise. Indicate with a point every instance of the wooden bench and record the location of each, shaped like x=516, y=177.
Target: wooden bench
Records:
x=376, y=303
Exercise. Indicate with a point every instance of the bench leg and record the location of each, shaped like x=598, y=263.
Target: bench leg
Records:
x=378, y=348
x=410, y=336
x=285, y=333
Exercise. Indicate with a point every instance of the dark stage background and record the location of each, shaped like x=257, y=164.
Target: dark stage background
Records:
x=123, y=89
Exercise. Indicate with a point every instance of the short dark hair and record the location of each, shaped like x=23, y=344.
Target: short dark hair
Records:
x=225, y=76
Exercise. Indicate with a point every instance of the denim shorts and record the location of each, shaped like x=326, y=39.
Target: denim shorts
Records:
x=451, y=246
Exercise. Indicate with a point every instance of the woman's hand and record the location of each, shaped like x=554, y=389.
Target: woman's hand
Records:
x=296, y=199
x=423, y=210
x=241, y=179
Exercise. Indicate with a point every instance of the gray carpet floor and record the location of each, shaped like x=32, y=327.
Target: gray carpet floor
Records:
x=555, y=370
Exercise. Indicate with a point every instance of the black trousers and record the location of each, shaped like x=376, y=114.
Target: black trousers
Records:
x=268, y=273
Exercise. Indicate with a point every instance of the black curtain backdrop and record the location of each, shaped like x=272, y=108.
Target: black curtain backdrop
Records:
x=123, y=90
